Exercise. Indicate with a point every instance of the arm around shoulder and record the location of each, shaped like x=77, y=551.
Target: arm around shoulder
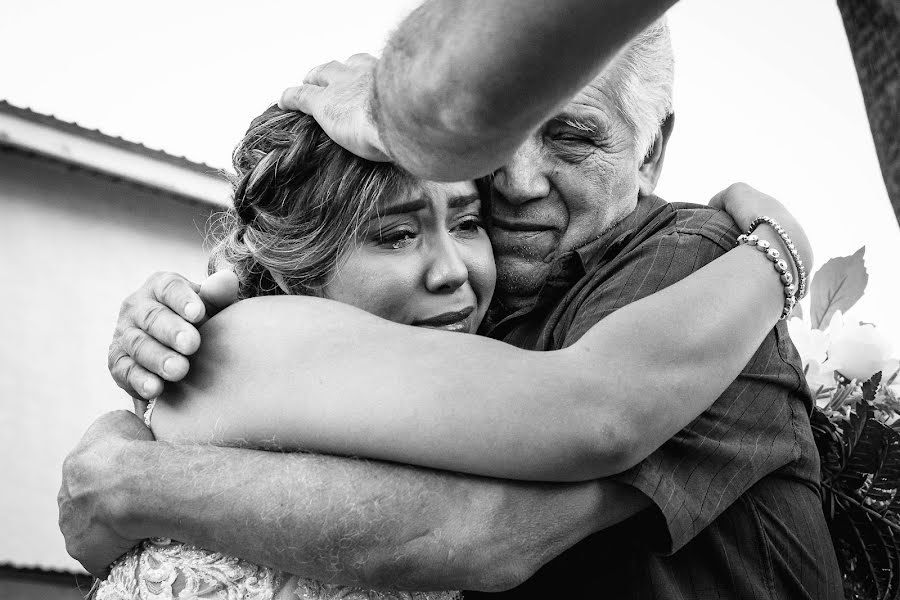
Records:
x=300, y=373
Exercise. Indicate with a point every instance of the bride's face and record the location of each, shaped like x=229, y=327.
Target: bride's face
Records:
x=423, y=259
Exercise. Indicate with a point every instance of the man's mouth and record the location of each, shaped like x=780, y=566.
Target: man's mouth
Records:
x=523, y=239
x=457, y=320
x=516, y=225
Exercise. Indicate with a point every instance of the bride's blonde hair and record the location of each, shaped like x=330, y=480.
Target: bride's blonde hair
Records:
x=299, y=203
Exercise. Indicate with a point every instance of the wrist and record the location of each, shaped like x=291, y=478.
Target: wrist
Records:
x=766, y=232
x=769, y=238
x=132, y=488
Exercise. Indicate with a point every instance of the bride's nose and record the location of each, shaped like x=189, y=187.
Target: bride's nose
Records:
x=446, y=269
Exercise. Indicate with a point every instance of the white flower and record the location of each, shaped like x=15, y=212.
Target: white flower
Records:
x=819, y=376
x=887, y=371
x=812, y=344
x=857, y=351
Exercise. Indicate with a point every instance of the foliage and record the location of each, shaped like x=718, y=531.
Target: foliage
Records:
x=856, y=428
x=858, y=437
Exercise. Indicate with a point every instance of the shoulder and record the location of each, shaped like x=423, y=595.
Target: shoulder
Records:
x=706, y=222
x=675, y=230
x=656, y=221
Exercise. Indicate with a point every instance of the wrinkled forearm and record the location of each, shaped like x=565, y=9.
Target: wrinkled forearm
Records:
x=357, y=522
x=456, y=90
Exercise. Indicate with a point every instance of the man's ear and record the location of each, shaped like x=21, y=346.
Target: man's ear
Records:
x=651, y=169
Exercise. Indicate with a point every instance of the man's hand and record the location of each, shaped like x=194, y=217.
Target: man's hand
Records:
x=89, y=505
x=157, y=329
x=339, y=97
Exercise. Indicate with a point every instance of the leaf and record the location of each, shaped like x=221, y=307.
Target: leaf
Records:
x=885, y=480
x=863, y=445
x=838, y=285
x=870, y=388
x=889, y=537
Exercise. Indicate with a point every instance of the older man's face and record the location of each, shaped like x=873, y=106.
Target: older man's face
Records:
x=576, y=177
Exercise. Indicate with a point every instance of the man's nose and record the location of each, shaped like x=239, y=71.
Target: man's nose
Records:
x=523, y=179
x=447, y=270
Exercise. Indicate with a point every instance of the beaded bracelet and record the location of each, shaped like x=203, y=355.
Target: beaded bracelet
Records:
x=801, y=270
x=781, y=267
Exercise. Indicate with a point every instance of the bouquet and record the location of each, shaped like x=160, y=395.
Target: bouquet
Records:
x=855, y=384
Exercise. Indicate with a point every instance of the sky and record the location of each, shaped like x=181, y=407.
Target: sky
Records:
x=766, y=93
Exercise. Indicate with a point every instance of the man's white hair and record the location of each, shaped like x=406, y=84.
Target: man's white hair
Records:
x=641, y=83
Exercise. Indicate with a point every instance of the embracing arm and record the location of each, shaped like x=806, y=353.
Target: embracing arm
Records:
x=339, y=520
x=455, y=92
x=306, y=373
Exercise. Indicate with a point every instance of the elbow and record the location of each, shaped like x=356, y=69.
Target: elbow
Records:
x=612, y=447
x=478, y=545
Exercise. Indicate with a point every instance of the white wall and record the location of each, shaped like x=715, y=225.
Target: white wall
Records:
x=73, y=245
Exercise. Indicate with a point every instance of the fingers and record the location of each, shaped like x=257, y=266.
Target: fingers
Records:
x=154, y=356
x=219, y=291
x=305, y=98
x=718, y=201
x=140, y=407
x=179, y=294
x=131, y=377
x=324, y=74
x=361, y=60
x=733, y=192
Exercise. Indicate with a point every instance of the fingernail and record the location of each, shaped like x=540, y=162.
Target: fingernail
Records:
x=192, y=310
x=169, y=366
x=149, y=387
x=181, y=341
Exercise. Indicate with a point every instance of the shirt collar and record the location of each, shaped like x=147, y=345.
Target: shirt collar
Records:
x=606, y=246
x=571, y=266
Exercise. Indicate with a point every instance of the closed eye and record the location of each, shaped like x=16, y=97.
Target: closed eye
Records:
x=470, y=225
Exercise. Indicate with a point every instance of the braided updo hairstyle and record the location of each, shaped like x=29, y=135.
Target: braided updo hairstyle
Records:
x=299, y=203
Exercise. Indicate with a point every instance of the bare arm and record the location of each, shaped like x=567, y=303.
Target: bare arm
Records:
x=455, y=92
x=305, y=373
x=340, y=520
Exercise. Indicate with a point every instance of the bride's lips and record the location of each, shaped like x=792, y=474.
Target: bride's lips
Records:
x=449, y=321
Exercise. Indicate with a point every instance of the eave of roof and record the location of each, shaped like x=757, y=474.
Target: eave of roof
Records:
x=96, y=151
x=37, y=572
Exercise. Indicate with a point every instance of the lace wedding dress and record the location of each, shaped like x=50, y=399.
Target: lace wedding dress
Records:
x=160, y=569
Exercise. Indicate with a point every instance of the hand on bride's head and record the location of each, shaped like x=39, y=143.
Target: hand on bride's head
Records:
x=339, y=97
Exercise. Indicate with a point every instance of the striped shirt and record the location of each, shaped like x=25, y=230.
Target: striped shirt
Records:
x=736, y=504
